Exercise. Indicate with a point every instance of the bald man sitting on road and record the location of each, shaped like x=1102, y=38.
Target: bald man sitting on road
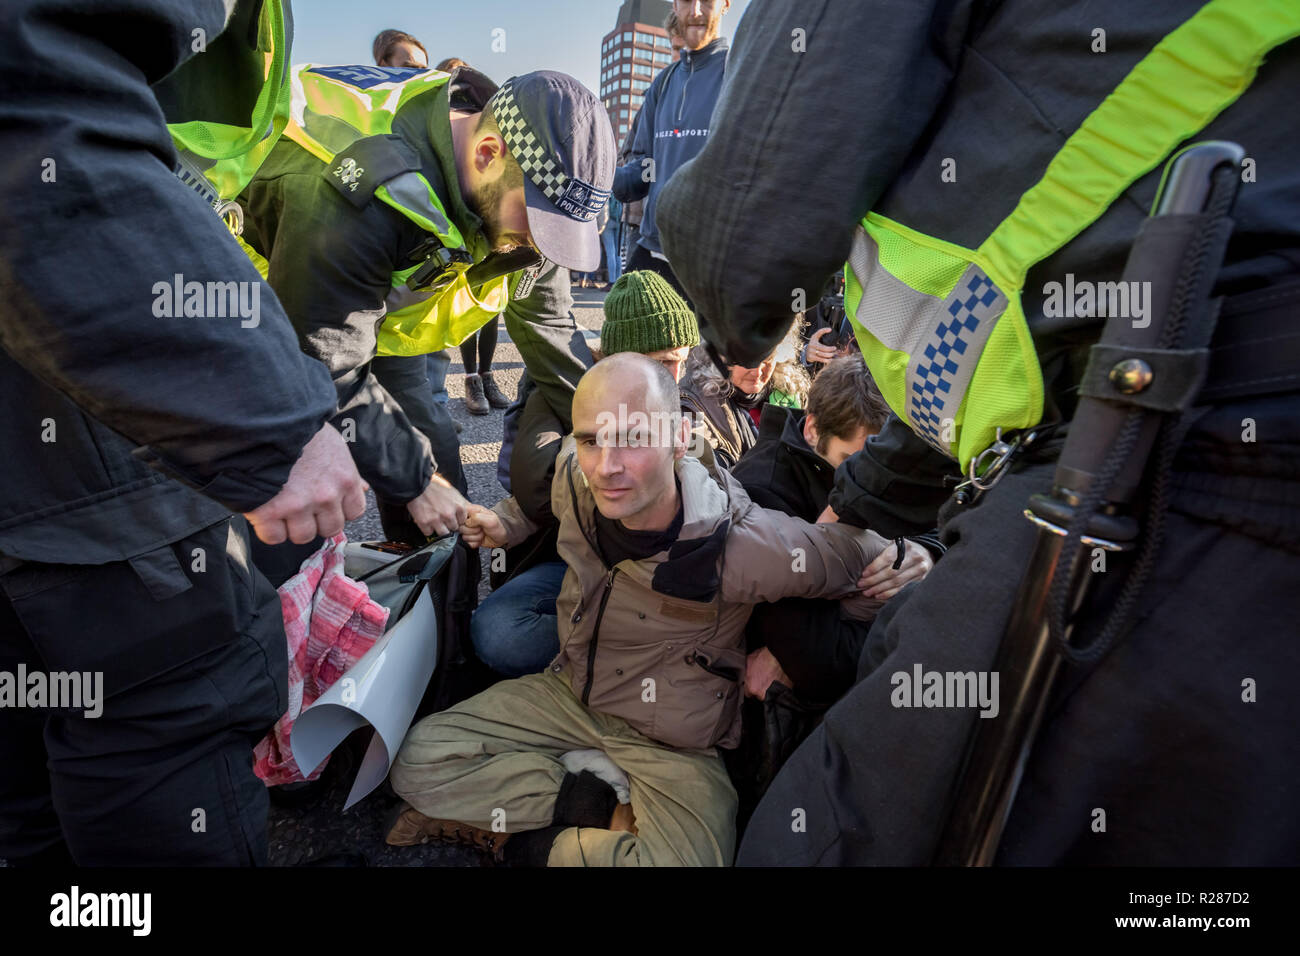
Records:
x=665, y=562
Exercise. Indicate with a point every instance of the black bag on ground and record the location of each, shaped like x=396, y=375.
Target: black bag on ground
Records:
x=453, y=588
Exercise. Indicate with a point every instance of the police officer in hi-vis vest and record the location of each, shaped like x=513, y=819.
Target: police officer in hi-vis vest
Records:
x=380, y=213
x=984, y=168
x=141, y=654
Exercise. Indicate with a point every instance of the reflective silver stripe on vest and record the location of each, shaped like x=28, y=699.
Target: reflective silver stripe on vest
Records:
x=400, y=297
x=890, y=309
x=940, y=373
x=411, y=190
x=943, y=338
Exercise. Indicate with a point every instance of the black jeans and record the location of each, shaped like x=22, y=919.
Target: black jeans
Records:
x=642, y=259
x=190, y=643
x=815, y=644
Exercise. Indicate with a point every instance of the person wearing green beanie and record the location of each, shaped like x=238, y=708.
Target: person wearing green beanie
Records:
x=514, y=629
x=644, y=313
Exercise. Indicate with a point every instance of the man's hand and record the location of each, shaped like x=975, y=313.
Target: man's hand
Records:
x=440, y=509
x=828, y=516
x=816, y=351
x=761, y=671
x=483, y=528
x=881, y=581
x=323, y=491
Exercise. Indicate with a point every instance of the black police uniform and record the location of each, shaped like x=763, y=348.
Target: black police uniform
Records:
x=115, y=419
x=1158, y=734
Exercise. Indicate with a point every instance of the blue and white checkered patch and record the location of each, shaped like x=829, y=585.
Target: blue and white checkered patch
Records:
x=944, y=368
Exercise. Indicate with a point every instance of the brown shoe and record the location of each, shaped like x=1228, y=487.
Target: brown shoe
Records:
x=412, y=828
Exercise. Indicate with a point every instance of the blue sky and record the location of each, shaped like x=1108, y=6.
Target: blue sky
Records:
x=560, y=35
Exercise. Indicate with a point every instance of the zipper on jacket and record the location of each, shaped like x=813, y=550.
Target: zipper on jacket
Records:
x=595, y=636
x=687, y=82
x=609, y=583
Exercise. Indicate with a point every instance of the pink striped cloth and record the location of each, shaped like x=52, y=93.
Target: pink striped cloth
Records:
x=330, y=622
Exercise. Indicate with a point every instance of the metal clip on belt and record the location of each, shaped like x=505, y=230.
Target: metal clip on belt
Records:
x=232, y=214
x=983, y=478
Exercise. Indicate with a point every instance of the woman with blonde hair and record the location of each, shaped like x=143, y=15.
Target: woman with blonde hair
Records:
x=728, y=409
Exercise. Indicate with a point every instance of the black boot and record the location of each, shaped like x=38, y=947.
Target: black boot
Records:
x=474, y=398
x=496, y=398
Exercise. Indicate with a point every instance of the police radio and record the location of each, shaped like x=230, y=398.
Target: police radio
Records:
x=440, y=266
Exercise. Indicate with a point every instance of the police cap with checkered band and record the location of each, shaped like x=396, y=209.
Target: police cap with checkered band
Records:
x=558, y=132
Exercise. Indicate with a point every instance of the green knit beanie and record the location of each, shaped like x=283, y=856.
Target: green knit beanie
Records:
x=643, y=313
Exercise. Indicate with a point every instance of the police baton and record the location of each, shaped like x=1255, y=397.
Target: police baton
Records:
x=1141, y=375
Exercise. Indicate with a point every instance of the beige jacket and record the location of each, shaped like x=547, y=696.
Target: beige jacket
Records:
x=660, y=642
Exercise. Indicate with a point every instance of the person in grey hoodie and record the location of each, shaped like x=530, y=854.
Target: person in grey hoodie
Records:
x=673, y=124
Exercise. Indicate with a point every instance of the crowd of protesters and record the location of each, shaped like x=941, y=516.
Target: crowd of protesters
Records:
x=700, y=564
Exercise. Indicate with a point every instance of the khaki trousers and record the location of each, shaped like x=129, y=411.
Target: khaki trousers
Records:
x=495, y=758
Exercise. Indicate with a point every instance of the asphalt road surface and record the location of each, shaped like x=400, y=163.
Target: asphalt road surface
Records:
x=322, y=830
